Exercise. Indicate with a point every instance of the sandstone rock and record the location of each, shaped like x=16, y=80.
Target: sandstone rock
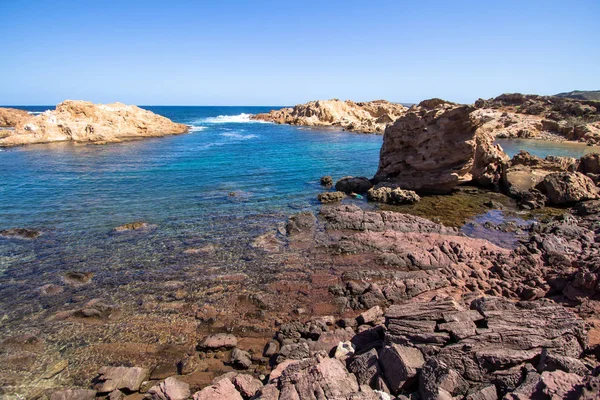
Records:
x=331, y=197
x=223, y=389
x=388, y=194
x=400, y=365
x=437, y=380
x=367, y=117
x=218, y=341
x=351, y=184
x=569, y=187
x=20, y=233
x=326, y=181
x=73, y=394
x=433, y=151
x=129, y=378
x=170, y=389
x=82, y=121
x=370, y=316
x=240, y=359
x=590, y=163
x=247, y=385
x=12, y=116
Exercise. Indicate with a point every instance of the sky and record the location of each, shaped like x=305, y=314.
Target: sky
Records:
x=283, y=53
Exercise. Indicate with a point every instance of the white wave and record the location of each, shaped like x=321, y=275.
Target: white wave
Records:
x=196, y=128
x=35, y=112
x=228, y=119
x=238, y=136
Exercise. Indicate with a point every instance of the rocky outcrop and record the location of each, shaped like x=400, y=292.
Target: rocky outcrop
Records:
x=569, y=187
x=331, y=197
x=10, y=117
x=82, y=121
x=366, y=117
x=433, y=150
x=392, y=194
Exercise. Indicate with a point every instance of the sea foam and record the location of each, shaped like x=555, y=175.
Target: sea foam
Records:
x=229, y=119
x=239, y=136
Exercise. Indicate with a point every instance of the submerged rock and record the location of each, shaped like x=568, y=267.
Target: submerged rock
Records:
x=331, y=197
x=326, y=181
x=112, y=378
x=20, y=233
x=132, y=226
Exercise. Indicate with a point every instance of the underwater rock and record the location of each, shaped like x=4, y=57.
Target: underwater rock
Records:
x=20, y=233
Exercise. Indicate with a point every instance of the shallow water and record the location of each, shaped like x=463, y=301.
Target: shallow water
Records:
x=542, y=148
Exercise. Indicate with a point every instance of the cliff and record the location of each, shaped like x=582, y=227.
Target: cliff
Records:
x=366, y=117
x=83, y=121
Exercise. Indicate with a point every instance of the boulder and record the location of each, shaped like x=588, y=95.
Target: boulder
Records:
x=389, y=194
x=331, y=197
x=82, y=121
x=9, y=117
x=327, y=181
x=351, y=184
x=20, y=233
x=240, y=359
x=569, y=187
x=246, y=384
x=400, y=365
x=366, y=367
x=437, y=381
x=218, y=341
x=112, y=378
x=170, y=389
x=223, y=389
x=434, y=150
x=590, y=164
x=370, y=316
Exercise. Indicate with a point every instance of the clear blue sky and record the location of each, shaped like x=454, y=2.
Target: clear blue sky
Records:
x=287, y=52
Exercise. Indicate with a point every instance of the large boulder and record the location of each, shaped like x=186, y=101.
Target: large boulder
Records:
x=83, y=121
x=12, y=116
x=112, y=378
x=569, y=187
x=590, y=164
x=434, y=150
x=350, y=184
x=170, y=389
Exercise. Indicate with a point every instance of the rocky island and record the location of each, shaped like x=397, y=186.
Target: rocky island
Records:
x=84, y=122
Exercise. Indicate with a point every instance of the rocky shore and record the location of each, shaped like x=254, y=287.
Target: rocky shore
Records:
x=84, y=122
x=366, y=117
x=511, y=115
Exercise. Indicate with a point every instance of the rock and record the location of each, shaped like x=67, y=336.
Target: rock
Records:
x=400, y=365
x=20, y=233
x=328, y=341
x=112, y=378
x=218, y=341
x=326, y=181
x=240, y=359
x=366, y=368
x=532, y=199
x=271, y=348
x=133, y=226
x=437, y=380
x=483, y=393
x=367, y=117
x=116, y=395
x=294, y=351
x=344, y=350
x=276, y=373
x=223, y=389
x=74, y=394
x=247, y=385
x=590, y=164
x=388, y=194
x=559, y=384
x=370, y=316
x=82, y=121
x=432, y=151
x=590, y=207
x=301, y=222
x=331, y=197
x=76, y=278
x=12, y=116
x=569, y=187
x=170, y=389
x=351, y=184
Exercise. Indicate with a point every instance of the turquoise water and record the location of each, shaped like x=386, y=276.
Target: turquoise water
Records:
x=543, y=148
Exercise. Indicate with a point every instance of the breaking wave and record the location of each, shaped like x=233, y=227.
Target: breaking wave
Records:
x=229, y=119
x=239, y=136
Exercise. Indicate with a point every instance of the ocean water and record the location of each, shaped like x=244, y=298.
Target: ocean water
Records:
x=543, y=148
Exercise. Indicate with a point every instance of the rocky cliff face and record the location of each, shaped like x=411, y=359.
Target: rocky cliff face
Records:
x=10, y=116
x=82, y=121
x=367, y=117
x=436, y=146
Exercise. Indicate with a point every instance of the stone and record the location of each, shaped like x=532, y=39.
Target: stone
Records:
x=20, y=233
x=569, y=187
x=271, y=348
x=483, y=393
x=367, y=117
x=112, y=378
x=586, y=208
x=400, y=365
x=370, y=316
x=437, y=379
x=344, y=350
x=366, y=367
x=116, y=395
x=82, y=121
x=74, y=394
x=9, y=117
x=434, y=150
x=217, y=341
x=247, y=385
x=223, y=389
x=388, y=194
x=170, y=389
x=590, y=164
x=277, y=371
x=132, y=226
x=326, y=181
x=240, y=359
x=294, y=351
x=328, y=341
x=331, y=197
x=351, y=184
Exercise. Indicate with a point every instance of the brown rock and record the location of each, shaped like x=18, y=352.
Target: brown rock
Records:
x=247, y=385
x=590, y=164
x=20, y=233
x=331, y=197
x=170, y=389
x=74, y=394
x=12, y=116
x=351, y=184
x=218, y=341
x=223, y=389
x=82, y=121
x=400, y=365
x=112, y=378
x=569, y=187
x=370, y=316
x=390, y=194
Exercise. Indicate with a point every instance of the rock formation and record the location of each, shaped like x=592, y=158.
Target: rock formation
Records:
x=9, y=117
x=366, y=117
x=436, y=146
x=81, y=121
